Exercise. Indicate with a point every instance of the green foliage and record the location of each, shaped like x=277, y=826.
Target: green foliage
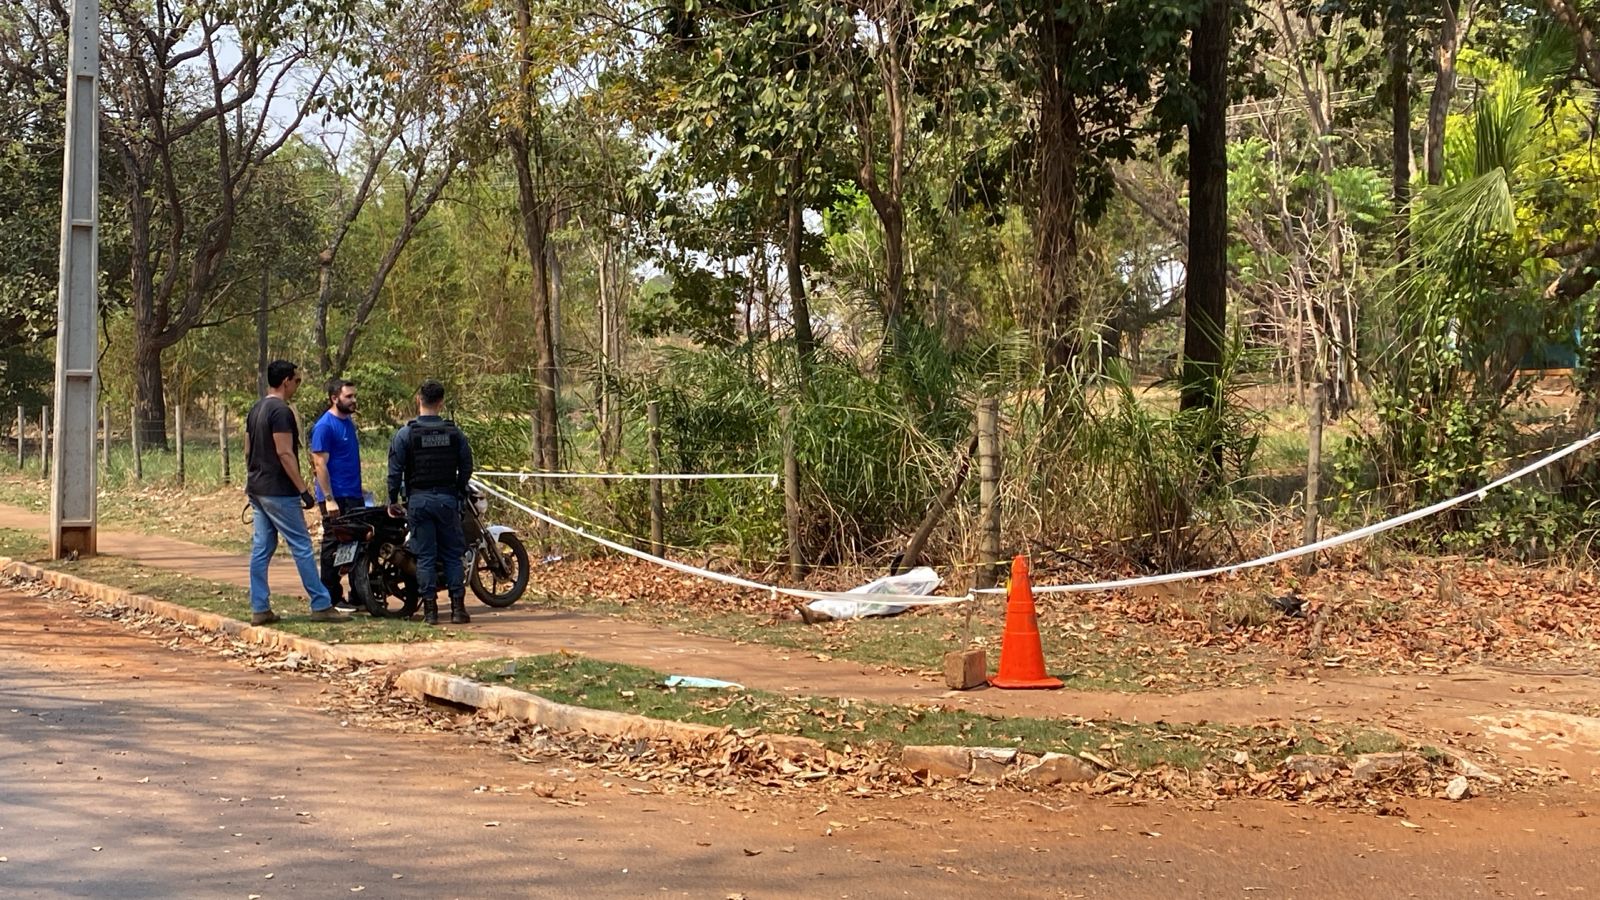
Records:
x=1445, y=343
x=1123, y=466
x=872, y=451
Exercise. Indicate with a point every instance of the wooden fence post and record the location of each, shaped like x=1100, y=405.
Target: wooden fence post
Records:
x=22, y=431
x=138, y=452
x=44, y=442
x=791, y=496
x=222, y=443
x=658, y=511
x=989, y=489
x=1313, y=474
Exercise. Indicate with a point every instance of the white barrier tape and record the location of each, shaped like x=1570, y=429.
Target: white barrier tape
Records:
x=887, y=599
x=636, y=476
x=1085, y=587
x=1324, y=544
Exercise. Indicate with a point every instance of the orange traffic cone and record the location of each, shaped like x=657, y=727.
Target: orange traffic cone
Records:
x=1021, y=653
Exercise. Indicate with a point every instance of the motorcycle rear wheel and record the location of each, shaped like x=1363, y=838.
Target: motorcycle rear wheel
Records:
x=384, y=593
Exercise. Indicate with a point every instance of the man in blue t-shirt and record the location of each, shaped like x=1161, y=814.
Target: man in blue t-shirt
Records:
x=336, y=454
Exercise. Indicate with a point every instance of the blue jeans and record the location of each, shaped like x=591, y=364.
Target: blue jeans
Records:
x=435, y=520
x=282, y=516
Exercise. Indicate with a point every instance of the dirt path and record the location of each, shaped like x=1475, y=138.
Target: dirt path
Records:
x=1520, y=719
x=141, y=771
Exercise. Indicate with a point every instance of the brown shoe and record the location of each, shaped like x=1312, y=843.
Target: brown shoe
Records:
x=811, y=616
x=263, y=618
x=328, y=615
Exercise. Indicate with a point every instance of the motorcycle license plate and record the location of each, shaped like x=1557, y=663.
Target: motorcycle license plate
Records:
x=345, y=555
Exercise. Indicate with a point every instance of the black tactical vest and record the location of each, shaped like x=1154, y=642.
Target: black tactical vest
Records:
x=432, y=457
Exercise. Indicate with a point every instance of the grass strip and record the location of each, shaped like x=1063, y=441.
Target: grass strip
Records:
x=597, y=684
x=219, y=597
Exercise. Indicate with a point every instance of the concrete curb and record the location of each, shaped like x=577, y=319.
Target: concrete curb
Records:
x=535, y=710
x=419, y=682
x=977, y=764
x=311, y=648
x=987, y=765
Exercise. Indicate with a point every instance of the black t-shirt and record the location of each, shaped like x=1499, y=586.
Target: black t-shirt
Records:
x=266, y=478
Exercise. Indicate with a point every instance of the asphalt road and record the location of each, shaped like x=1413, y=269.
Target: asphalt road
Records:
x=128, y=769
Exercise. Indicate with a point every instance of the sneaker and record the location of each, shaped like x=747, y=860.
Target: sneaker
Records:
x=344, y=606
x=328, y=614
x=263, y=618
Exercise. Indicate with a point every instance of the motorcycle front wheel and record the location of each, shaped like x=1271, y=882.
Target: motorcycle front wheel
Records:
x=383, y=592
x=500, y=591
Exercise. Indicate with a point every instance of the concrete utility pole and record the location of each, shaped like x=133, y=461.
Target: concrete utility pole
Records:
x=72, y=486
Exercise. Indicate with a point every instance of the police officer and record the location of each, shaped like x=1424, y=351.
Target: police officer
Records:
x=430, y=462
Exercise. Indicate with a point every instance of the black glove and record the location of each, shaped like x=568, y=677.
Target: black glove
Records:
x=307, y=500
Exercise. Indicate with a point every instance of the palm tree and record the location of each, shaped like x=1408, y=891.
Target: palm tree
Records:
x=1487, y=242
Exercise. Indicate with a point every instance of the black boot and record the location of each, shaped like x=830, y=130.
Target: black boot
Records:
x=458, y=611
x=430, y=610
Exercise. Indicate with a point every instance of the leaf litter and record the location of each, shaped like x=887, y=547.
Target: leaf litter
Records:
x=733, y=761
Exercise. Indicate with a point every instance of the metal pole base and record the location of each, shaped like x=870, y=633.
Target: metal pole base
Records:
x=74, y=542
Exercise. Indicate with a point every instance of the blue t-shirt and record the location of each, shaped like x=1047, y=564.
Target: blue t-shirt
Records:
x=337, y=438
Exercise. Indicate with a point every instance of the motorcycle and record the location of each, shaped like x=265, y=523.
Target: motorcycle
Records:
x=496, y=562
x=372, y=550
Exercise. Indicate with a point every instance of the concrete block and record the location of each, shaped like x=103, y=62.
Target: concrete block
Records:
x=943, y=761
x=1057, y=768
x=966, y=669
x=1318, y=766
x=1376, y=766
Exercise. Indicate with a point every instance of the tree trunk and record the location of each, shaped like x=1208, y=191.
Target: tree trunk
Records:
x=262, y=308
x=536, y=215
x=912, y=555
x=1060, y=144
x=1206, y=286
x=1444, y=88
x=892, y=219
x=1568, y=14
x=536, y=238
x=557, y=275
x=149, y=397
x=607, y=371
x=799, y=304
x=319, y=326
x=1400, y=123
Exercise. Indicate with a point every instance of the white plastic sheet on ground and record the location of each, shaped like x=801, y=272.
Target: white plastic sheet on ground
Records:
x=921, y=581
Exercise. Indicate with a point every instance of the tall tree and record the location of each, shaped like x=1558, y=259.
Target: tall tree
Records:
x=1206, y=287
x=235, y=81
x=1397, y=37
x=1101, y=75
x=1446, y=49
x=412, y=125
x=539, y=198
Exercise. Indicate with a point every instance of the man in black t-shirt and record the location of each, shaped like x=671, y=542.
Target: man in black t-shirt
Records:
x=279, y=497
